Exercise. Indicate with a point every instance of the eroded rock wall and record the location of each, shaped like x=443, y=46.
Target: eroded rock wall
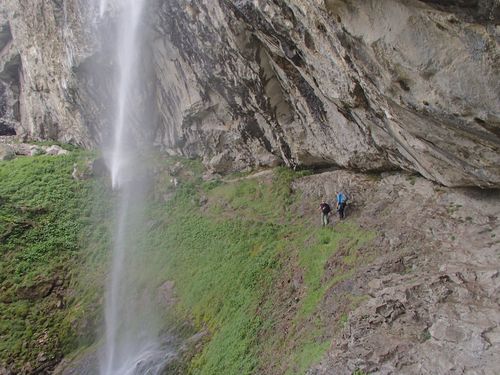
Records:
x=44, y=42
x=367, y=85
x=364, y=85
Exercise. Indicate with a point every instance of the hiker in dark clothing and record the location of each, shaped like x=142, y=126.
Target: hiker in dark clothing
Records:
x=341, y=203
x=325, y=213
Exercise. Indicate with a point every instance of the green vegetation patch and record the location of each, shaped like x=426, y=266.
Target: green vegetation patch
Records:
x=43, y=213
x=225, y=245
x=220, y=269
x=310, y=352
x=313, y=259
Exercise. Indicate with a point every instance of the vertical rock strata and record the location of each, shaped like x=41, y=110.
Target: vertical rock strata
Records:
x=9, y=80
x=365, y=85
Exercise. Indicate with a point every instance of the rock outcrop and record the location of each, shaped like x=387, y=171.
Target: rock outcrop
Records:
x=430, y=298
x=364, y=85
x=42, y=44
x=6, y=152
x=10, y=147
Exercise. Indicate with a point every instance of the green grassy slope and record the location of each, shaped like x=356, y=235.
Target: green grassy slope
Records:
x=45, y=218
x=248, y=268
x=228, y=248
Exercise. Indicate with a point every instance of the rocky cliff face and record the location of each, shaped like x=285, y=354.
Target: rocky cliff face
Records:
x=42, y=44
x=368, y=85
x=365, y=85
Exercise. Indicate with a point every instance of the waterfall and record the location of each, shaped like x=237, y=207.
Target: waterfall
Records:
x=132, y=342
x=102, y=7
x=128, y=50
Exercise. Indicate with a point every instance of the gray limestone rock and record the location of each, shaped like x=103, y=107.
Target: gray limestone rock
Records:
x=6, y=152
x=432, y=293
x=42, y=43
x=367, y=85
x=56, y=150
x=364, y=85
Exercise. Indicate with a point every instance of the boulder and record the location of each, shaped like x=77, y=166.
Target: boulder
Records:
x=36, y=150
x=6, y=152
x=56, y=150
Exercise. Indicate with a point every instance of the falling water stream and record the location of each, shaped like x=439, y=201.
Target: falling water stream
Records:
x=132, y=342
x=103, y=4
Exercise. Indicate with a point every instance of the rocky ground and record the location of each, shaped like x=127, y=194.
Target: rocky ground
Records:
x=10, y=147
x=432, y=289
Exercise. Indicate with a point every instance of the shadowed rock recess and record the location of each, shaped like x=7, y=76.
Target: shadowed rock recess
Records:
x=365, y=85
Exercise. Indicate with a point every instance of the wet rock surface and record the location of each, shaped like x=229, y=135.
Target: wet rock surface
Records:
x=86, y=364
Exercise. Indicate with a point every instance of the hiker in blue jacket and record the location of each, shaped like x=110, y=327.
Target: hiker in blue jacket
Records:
x=341, y=202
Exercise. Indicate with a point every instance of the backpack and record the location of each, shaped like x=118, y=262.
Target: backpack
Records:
x=325, y=208
x=342, y=198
